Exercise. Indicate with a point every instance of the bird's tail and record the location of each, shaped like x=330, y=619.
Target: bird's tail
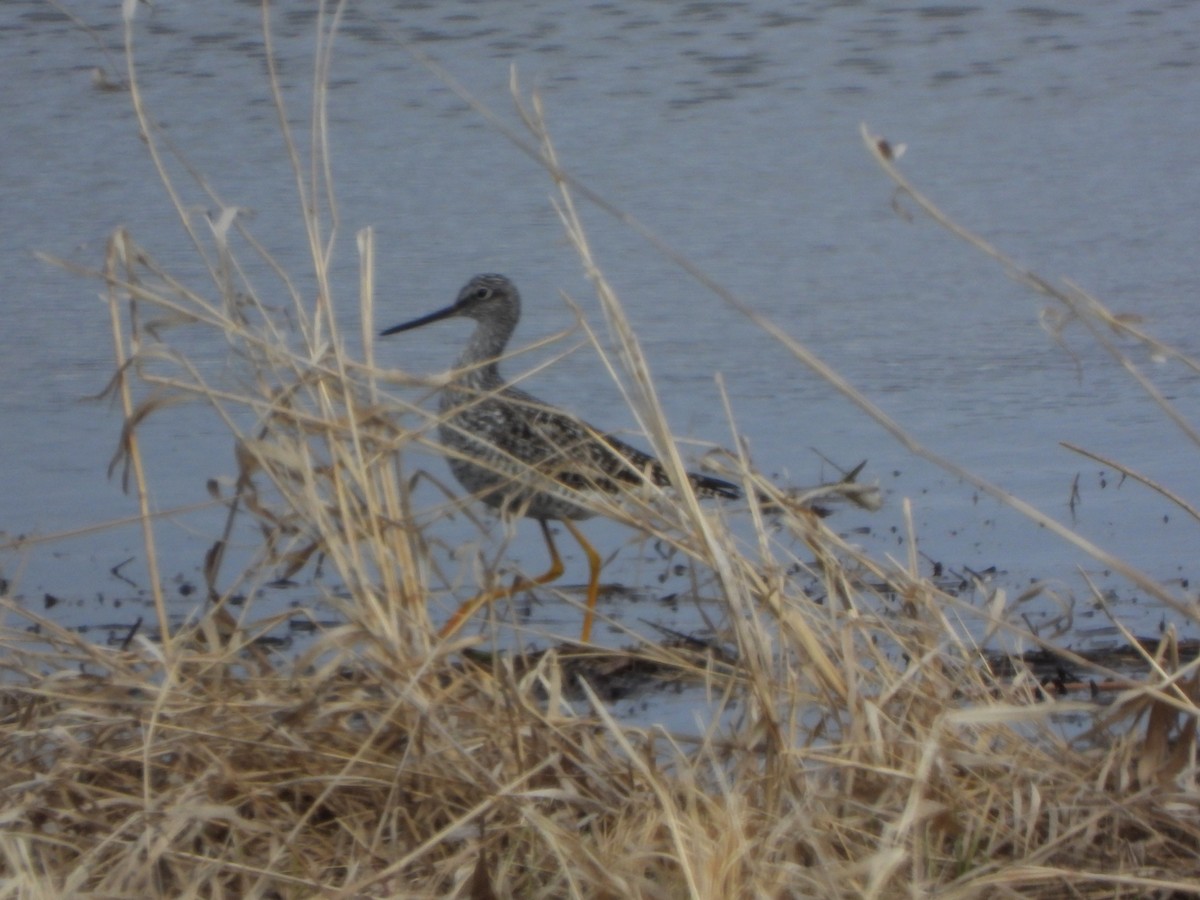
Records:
x=706, y=486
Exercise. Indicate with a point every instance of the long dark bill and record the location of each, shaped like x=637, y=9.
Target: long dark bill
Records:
x=424, y=320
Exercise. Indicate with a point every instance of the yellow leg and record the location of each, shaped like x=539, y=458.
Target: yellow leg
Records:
x=593, y=559
x=468, y=609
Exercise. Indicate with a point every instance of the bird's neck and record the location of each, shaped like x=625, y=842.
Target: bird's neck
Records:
x=480, y=361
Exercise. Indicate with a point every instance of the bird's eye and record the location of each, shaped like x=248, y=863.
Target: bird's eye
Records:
x=482, y=293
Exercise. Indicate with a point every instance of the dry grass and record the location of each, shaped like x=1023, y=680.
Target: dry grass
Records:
x=867, y=749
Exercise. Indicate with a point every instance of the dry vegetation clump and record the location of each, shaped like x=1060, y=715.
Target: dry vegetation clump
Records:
x=399, y=769
x=862, y=746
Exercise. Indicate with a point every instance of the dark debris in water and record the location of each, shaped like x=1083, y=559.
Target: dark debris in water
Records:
x=616, y=674
x=1057, y=671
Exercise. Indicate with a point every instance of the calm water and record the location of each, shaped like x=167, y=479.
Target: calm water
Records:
x=1068, y=138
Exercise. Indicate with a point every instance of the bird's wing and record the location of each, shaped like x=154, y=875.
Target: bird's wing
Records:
x=575, y=453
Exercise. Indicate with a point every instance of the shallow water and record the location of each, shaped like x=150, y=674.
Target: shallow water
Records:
x=1068, y=138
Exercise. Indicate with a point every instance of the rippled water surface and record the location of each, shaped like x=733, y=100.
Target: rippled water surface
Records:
x=1067, y=137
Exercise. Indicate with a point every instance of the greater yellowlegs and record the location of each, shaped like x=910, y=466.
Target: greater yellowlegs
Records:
x=523, y=456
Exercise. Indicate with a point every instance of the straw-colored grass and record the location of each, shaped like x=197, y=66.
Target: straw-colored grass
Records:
x=867, y=748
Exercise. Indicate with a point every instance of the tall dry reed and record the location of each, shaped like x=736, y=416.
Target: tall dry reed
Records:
x=860, y=747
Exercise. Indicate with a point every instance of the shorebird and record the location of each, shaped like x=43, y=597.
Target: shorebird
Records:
x=523, y=456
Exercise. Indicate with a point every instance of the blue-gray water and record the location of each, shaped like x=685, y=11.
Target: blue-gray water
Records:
x=1067, y=138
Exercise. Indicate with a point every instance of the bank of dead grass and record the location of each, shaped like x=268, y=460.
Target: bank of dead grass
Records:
x=860, y=747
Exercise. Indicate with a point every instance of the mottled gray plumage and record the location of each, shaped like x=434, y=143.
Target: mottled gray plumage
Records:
x=514, y=451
